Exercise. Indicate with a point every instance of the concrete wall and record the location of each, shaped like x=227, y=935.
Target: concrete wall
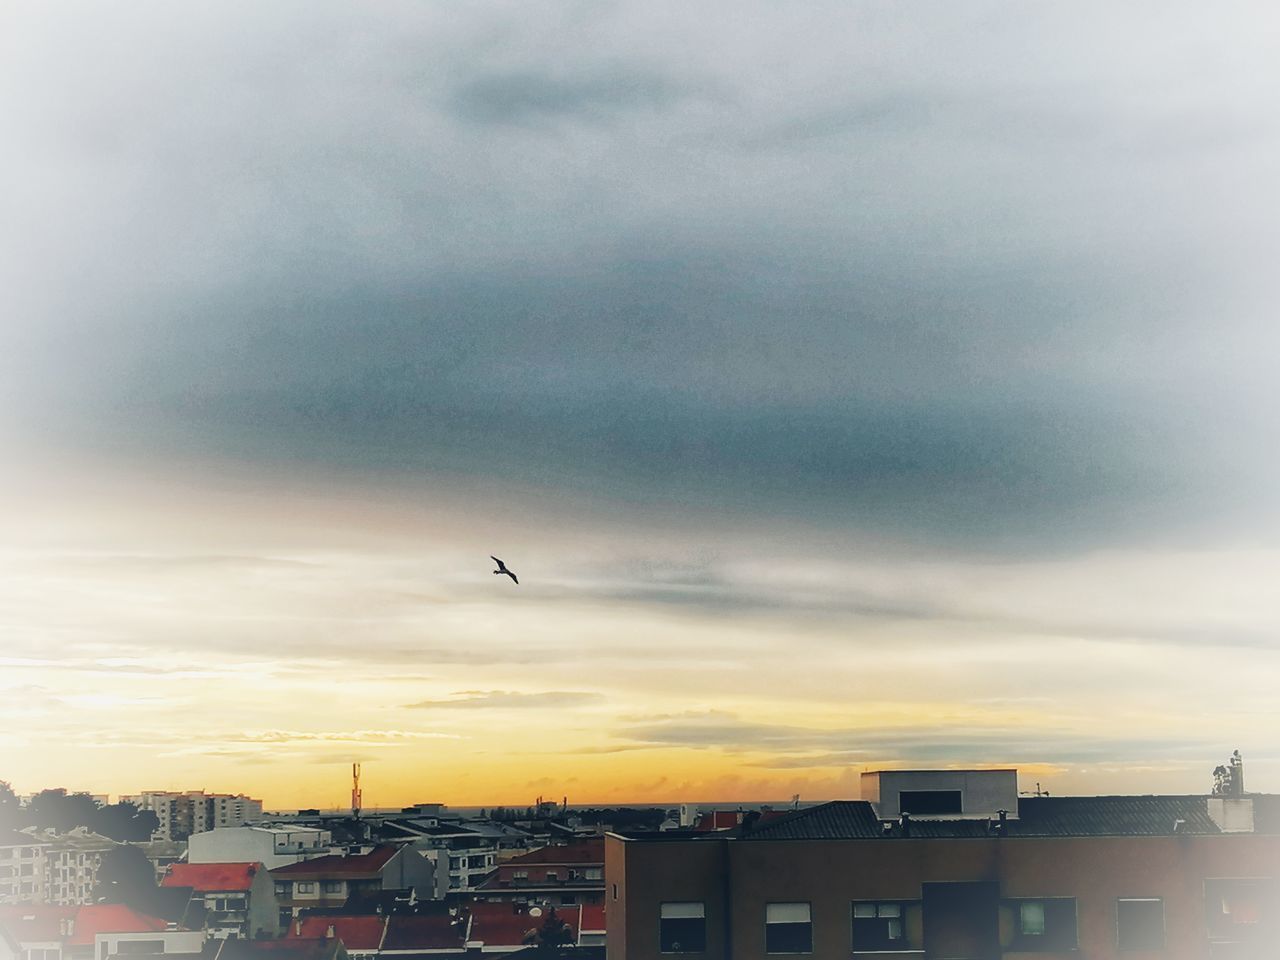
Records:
x=983, y=792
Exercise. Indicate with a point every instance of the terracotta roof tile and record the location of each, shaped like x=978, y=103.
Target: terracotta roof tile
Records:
x=357, y=866
x=205, y=877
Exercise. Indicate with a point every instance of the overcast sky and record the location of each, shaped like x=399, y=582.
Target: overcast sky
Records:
x=849, y=383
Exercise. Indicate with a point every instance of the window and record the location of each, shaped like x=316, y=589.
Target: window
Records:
x=305, y=886
x=615, y=891
x=593, y=873
x=282, y=888
x=333, y=886
x=1043, y=924
x=1140, y=923
x=682, y=928
x=880, y=925
x=787, y=928
x=1031, y=919
x=929, y=801
x=1236, y=910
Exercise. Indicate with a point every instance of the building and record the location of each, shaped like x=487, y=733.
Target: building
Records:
x=89, y=932
x=71, y=862
x=272, y=846
x=328, y=881
x=1098, y=877
x=22, y=870
x=234, y=899
x=182, y=813
x=564, y=875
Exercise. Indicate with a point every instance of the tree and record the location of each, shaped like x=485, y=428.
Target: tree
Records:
x=126, y=876
x=124, y=822
x=61, y=811
x=552, y=936
x=10, y=808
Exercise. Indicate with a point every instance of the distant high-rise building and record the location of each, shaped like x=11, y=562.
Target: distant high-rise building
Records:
x=182, y=813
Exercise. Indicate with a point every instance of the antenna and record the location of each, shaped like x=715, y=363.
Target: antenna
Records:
x=356, y=795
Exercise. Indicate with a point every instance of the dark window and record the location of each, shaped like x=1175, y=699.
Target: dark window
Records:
x=1044, y=924
x=615, y=891
x=880, y=925
x=929, y=801
x=333, y=886
x=682, y=928
x=140, y=946
x=1140, y=924
x=787, y=928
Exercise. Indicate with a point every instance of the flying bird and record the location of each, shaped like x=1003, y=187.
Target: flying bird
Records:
x=502, y=568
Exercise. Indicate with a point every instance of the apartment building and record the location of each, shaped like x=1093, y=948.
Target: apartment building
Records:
x=22, y=870
x=1175, y=877
x=183, y=813
x=562, y=875
x=71, y=862
x=88, y=932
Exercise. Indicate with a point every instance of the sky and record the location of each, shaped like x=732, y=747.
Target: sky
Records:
x=851, y=385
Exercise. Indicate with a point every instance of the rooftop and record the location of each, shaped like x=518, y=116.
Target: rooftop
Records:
x=1121, y=816
x=358, y=866
x=579, y=851
x=205, y=877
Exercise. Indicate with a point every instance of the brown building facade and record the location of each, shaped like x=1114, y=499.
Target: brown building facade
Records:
x=1082, y=879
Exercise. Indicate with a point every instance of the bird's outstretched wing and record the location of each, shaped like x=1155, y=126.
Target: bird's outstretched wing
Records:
x=496, y=560
x=512, y=576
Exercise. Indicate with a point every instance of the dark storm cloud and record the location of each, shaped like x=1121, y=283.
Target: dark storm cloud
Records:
x=927, y=275
x=525, y=96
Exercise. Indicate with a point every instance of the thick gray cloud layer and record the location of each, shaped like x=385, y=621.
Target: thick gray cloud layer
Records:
x=990, y=274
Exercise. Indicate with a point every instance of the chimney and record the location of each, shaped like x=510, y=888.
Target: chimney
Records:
x=905, y=824
x=297, y=927
x=329, y=932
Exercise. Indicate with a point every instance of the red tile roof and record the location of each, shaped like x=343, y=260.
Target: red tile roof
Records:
x=359, y=866
x=502, y=925
x=216, y=877
x=592, y=917
x=579, y=851
x=433, y=932
x=93, y=919
x=75, y=926
x=356, y=933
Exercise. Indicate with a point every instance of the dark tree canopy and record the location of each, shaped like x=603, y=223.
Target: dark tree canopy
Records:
x=126, y=876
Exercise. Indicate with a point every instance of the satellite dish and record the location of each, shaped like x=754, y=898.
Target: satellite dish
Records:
x=535, y=911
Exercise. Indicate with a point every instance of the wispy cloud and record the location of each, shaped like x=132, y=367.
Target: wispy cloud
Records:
x=510, y=700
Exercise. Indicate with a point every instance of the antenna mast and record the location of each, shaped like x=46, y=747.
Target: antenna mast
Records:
x=356, y=795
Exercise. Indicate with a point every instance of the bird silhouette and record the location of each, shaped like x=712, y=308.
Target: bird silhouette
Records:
x=502, y=568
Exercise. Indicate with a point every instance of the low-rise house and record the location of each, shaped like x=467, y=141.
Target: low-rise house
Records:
x=362, y=936
x=272, y=846
x=329, y=880
x=563, y=875
x=238, y=899
x=409, y=936
x=90, y=932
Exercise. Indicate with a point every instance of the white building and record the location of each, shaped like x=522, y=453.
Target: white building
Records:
x=952, y=794
x=21, y=868
x=272, y=846
x=71, y=862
